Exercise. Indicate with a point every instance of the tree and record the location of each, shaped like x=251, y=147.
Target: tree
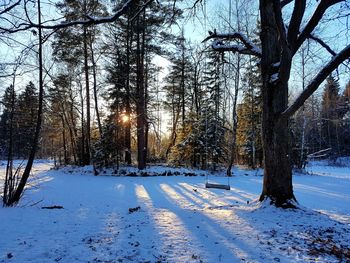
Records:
x=344, y=121
x=73, y=46
x=26, y=118
x=9, y=102
x=330, y=115
x=278, y=48
x=249, y=116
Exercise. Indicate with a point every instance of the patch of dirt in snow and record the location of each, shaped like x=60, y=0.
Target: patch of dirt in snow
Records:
x=301, y=234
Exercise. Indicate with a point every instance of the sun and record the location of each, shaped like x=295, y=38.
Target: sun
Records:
x=125, y=118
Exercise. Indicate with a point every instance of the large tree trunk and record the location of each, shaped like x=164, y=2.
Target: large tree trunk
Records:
x=140, y=104
x=127, y=99
x=94, y=75
x=277, y=184
x=87, y=91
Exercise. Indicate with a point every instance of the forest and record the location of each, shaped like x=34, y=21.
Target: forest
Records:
x=216, y=86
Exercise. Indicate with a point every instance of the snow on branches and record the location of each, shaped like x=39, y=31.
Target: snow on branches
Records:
x=242, y=44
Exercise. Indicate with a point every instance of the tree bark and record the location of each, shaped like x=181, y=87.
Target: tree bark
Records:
x=234, y=119
x=86, y=160
x=65, y=155
x=94, y=72
x=127, y=134
x=140, y=104
x=277, y=184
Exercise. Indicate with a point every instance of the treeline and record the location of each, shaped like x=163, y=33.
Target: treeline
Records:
x=321, y=128
x=17, y=121
x=105, y=102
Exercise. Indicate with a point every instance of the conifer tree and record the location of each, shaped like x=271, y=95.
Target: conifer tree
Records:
x=9, y=101
x=250, y=117
x=330, y=115
x=211, y=119
x=26, y=118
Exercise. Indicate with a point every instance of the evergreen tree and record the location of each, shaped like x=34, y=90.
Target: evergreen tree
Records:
x=73, y=46
x=344, y=116
x=61, y=119
x=330, y=115
x=132, y=43
x=27, y=109
x=249, y=118
x=9, y=101
x=214, y=131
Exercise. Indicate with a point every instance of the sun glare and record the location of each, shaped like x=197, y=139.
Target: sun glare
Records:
x=125, y=118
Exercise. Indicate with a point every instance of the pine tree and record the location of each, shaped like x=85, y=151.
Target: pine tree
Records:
x=214, y=131
x=62, y=118
x=132, y=43
x=344, y=116
x=73, y=46
x=250, y=117
x=330, y=115
x=26, y=119
x=9, y=101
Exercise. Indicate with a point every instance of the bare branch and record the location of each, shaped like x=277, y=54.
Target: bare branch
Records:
x=247, y=47
x=312, y=87
x=10, y=7
x=313, y=22
x=323, y=44
x=89, y=21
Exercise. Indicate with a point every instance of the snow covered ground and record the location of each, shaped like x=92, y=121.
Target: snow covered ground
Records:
x=175, y=219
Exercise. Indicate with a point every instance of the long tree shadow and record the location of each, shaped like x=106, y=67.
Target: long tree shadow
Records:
x=206, y=195
x=229, y=246
x=275, y=230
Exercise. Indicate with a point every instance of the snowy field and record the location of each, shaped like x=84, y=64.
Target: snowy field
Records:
x=175, y=219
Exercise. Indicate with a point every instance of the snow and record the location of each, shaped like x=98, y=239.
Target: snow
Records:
x=274, y=77
x=248, y=46
x=178, y=219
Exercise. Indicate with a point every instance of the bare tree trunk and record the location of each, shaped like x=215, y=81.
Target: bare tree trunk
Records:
x=277, y=185
x=234, y=118
x=183, y=97
x=87, y=91
x=127, y=134
x=140, y=104
x=65, y=156
x=82, y=123
x=95, y=89
x=146, y=103
x=72, y=137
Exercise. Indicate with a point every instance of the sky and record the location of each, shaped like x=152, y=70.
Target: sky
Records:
x=195, y=27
